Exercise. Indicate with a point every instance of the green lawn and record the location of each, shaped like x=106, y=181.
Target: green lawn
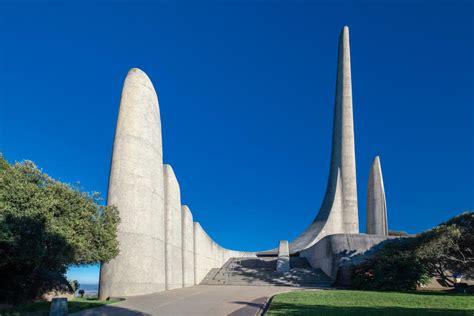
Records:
x=42, y=308
x=344, y=302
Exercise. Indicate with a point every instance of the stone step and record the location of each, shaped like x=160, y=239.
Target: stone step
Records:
x=261, y=272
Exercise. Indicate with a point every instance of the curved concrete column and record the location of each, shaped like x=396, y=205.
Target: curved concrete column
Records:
x=376, y=219
x=136, y=188
x=188, y=246
x=173, y=230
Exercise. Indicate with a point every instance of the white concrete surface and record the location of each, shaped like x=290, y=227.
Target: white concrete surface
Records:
x=136, y=188
x=376, y=212
x=283, y=261
x=173, y=230
x=188, y=246
x=209, y=255
x=332, y=251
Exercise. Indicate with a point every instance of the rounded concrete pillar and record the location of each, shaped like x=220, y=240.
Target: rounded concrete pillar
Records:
x=173, y=231
x=136, y=189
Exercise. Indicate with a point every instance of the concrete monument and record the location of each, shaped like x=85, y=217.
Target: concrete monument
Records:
x=339, y=211
x=376, y=219
x=162, y=248
x=136, y=188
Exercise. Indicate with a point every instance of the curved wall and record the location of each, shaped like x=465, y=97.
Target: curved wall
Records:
x=210, y=255
x=160, y=246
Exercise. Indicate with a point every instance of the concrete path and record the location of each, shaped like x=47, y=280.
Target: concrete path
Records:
x=197, y=300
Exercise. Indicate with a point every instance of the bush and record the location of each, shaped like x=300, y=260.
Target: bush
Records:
x=409, y=262
x=45, y=227
x=449, y=248
x=396, y=268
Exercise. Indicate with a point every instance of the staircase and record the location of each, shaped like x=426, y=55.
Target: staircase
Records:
x=260, y=271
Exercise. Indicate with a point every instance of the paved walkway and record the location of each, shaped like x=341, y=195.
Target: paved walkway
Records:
x=197, y=300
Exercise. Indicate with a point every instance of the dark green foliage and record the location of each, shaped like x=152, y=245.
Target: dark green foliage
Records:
x=45, y=227
x=396, y=268
x=409, y=262
x=449, y=248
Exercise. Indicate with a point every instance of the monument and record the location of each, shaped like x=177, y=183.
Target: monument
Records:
x=376, y=218
x=161, y=248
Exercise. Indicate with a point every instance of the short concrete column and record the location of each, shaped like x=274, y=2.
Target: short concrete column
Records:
x=283, y=262
x=58, y=307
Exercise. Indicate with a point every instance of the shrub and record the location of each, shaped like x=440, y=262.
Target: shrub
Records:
x=45, y=227
x=412, y=261
x=394, y=268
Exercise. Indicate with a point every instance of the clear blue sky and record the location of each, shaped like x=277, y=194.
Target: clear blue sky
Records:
x=246, y=94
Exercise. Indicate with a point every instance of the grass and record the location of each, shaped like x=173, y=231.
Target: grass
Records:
x=42, y=308
x=345, y=302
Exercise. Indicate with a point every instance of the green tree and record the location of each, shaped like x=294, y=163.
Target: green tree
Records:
x=395, y=267
x=45, y=227
x=449, y=248
x=404, y=264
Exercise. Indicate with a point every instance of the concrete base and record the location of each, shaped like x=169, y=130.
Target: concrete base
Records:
x=334, y=254
x=283, y=261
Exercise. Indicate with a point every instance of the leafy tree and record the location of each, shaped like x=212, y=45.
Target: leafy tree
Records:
x=449, y=248
x=403, y=265
x=81, y=293
x=45, y=227
x=395, y=267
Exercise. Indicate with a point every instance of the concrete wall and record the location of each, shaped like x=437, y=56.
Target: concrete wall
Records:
x=156, y=236
x=188, y=246
x=209, y=255
x=173, y=230
x=335, y=253
x=136, y=188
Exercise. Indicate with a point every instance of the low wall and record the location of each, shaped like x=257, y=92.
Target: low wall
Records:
x=210, y=255
x=334, y=254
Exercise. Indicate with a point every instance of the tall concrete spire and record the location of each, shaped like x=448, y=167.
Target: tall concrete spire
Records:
x=343, y=148
x=376, y=220
x=339, y=210
x=136, y=189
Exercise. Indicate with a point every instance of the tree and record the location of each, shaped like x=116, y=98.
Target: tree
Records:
x=440, y=252
x=449, y=248
x=47, y=226
x=395, y=267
